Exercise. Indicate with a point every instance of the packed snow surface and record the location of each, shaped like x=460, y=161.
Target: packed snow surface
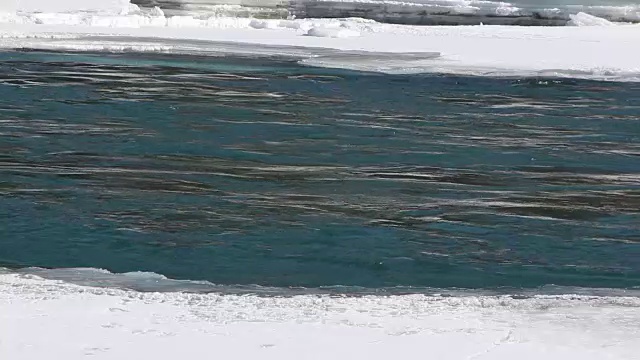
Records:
x=605, y=51
x=42, y=318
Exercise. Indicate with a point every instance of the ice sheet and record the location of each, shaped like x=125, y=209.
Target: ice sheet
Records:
x=599, y=52
x=465, y=12
x=583, y=19
x=425, y=12
x=592, y=52
x=51, y=319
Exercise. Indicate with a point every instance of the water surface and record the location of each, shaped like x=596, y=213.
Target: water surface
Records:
x=262, y=171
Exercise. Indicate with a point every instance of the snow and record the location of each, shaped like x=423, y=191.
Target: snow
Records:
x=263, y=24
x=591, y=52
x=105, y=6
x=412, y=11
x=469, y=11
x=323, y=31
x=582, y=19
x=157, y=12
x=51, y=319
x=46, y=318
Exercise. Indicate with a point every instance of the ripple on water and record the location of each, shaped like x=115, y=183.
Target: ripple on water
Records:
x=303, y=176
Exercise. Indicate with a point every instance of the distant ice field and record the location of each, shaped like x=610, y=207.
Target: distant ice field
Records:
x=413, y=12
x=595, y=49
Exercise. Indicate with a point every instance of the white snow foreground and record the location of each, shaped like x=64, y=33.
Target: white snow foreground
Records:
x=590, y=52
x=51, y=319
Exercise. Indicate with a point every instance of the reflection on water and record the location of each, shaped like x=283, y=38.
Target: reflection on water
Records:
x=242, y=171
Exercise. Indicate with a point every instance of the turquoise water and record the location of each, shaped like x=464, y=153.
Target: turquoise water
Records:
x=261, y=171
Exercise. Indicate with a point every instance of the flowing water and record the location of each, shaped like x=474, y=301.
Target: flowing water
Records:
x=238, y=170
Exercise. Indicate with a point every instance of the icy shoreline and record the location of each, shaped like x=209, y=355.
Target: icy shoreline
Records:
x=56, y=319
x=416, y=12
x=597, y=53
x=595, y=50
x=152, y=282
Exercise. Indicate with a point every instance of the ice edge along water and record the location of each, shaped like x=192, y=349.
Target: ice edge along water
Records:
x=152, y=282
x=50, y=318
x=600, y=51
x=423, y=12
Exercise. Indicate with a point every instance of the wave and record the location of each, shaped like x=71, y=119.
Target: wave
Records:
x=152, y=282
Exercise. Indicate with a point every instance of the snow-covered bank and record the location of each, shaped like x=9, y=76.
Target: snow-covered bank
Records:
x=51, y=319
x=153, y=282
x=590, y=52
x=596, y=49
x=408, y=12
x=462, y=12
x=420, y=12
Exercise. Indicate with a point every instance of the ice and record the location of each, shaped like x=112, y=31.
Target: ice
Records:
x=156, y=11
x=469, y=12
x=263, y=24
x=52, y=319
x=130, y=315
x=425, y=12
x=97, y=6
x=323, y=31
x=432, y=11
x=591, y=52
x=153, y=282
x=583, y=19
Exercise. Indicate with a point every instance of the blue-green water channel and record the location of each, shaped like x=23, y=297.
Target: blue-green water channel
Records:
x=262, y=171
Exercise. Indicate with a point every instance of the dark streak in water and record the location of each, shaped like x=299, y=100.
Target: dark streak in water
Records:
x=242, y=171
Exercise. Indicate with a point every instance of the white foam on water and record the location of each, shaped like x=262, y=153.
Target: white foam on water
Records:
x=42, y=318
